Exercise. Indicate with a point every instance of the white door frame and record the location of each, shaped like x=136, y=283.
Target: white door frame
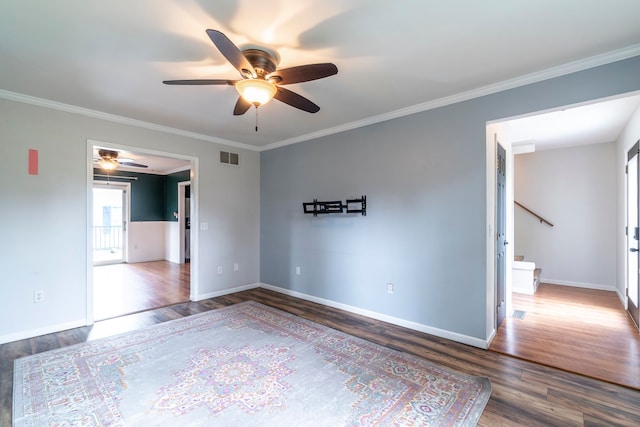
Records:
x=182, y=217
x=631, y=214
x=493, y=135
x=494, y=129
x=195, y=232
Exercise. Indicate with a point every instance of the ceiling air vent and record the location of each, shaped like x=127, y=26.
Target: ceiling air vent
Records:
x=229, y=158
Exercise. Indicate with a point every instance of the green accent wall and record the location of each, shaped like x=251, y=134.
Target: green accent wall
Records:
x=171, y=193
x=153, y=197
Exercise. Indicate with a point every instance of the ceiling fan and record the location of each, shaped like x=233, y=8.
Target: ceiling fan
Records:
x=109, y=160
x=261, y=80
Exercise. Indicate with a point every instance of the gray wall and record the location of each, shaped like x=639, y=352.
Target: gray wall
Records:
x=45, y=227
x=424, y=176
x=575, y=189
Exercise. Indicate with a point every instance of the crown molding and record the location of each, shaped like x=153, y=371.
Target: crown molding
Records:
x=176, y=170
x=571, y=67
x=39, y=102
x=561, y=70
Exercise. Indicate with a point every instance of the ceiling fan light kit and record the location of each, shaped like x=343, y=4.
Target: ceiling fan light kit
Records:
x=261, y=80
x=256, y=91
x=108, y=164
x=108, y=159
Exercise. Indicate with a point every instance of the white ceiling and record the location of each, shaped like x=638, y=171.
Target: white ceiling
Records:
x=155, y=164
x=394, y=58
x=595, y=123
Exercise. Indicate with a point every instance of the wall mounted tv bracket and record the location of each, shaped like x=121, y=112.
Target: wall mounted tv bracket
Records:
x=350, y=206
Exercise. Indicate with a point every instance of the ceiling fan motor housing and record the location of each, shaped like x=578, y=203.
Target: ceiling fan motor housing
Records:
x=262, y=62
x=108, y=154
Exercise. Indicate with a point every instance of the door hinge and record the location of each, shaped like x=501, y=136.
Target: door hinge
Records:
x=626, y=169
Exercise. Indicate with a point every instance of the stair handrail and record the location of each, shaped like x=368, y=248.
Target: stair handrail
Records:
x=533, y=213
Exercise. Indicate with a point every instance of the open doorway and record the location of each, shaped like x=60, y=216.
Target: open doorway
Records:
x=567, y=170
x=633, y=233
x=184, y=221
x=138, y=272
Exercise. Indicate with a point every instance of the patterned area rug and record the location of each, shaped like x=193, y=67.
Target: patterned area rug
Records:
x=241, y=365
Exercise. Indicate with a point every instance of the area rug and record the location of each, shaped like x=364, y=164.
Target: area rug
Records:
x=242, y=365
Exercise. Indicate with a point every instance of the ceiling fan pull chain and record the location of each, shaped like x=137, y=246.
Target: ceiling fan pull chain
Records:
x=256, y=118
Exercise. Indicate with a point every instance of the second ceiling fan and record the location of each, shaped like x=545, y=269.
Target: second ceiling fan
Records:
x=261, y=80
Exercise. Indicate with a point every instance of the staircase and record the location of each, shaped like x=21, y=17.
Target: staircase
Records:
x=525, y=275
x=536, y=277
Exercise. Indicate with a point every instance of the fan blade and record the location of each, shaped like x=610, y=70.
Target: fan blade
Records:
x=242, y=106
x=304, y=73
x=232, y=53
x=132, y=164
x=200, y=82
x=295, y=100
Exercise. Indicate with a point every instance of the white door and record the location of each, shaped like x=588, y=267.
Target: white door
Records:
x=633, y=303
x=501, y=232
x=110, y=215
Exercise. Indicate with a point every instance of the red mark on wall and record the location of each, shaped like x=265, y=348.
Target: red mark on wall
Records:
x=33, y=162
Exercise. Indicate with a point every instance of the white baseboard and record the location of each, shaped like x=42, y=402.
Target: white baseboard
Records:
x=623, y=299
x=226, y=291
x=525, y=291
x=49, y=329
x=492, y=335
x=453, y=336
x=579, y=284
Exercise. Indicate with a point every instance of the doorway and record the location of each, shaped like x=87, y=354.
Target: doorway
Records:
x=110, y=219
x=523, y=333
x=165, y=280
x=184, y=221
x=632, y=231
x=501, y=233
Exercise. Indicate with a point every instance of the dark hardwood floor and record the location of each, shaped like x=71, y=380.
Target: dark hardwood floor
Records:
x=580, y=330
x=523, y=393
x=121, y=289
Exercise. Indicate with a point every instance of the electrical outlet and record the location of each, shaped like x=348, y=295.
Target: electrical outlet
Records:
x=219, y=269
x=236, y=267
x=298, y=271
x=389, y=288
x=204, y=226
x=38, y=296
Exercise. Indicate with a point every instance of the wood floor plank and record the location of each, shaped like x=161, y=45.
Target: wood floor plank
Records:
x=539, y=409
x=586, y=331
x=524, y=393
x=596, y=397
x=121, y=289
x=596, y=408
